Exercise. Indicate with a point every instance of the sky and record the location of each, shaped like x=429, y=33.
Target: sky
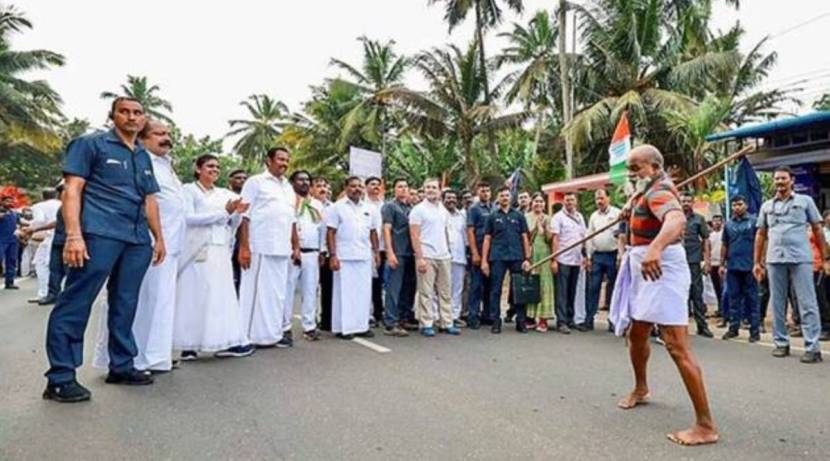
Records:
x=209, y=55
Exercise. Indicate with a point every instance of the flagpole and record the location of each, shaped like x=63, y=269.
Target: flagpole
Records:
x=615, y=222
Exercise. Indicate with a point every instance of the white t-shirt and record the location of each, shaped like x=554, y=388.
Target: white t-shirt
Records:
x=716, y=243
x=433, y=220
x=458, y=236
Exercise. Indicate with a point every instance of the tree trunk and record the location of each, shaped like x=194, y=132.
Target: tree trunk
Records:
x=540, y=124
x=567, y=113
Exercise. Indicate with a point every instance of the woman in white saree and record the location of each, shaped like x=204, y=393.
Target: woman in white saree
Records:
x=208, y=317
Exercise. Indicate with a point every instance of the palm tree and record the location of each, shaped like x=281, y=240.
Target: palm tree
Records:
x=639, y=58
x=535, y=83
x=258, y=133
x=690, y=129
x=29, y=109
x=381, y=70
x=488, y=14
x=454, y=108
x=147, y=94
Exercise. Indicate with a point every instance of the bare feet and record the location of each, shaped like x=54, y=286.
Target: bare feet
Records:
x=695, y=435
x=633, y=399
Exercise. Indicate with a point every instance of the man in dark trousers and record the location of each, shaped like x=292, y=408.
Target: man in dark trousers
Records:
x=506, y=249
x=320, y=190
x=399, y=314
x=8, y=240
x=478, y=310
x=108, y=210
x=736, y=257
x=696, y=244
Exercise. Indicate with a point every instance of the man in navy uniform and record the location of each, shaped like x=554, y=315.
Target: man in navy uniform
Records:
x=108, y=211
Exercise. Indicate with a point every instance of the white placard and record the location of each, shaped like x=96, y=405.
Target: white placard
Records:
x=365, y=163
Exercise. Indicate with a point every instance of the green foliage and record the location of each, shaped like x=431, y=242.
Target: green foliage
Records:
x=187, y=148
x=139, y=88
x=822, y=103
x=258, y=133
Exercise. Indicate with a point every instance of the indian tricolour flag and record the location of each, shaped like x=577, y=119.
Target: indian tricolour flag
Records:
x=619, y=149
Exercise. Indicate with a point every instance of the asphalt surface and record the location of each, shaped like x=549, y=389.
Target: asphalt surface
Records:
x=478, y=396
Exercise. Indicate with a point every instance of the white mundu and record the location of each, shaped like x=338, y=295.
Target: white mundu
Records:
x=262, y=290
x=312, y=232
x=352, y=284
x=208, y=317
x=43, y=213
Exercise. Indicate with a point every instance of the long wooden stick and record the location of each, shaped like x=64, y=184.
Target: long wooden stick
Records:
x=615, y=222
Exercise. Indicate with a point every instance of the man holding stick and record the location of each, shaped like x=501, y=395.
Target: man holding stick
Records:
x=655, y=289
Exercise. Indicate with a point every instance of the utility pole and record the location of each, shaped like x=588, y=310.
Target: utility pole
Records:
x=565, y=83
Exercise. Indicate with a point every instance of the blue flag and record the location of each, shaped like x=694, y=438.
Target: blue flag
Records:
x=743, y=181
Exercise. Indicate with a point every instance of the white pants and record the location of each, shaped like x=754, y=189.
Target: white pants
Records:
x=27, y=258
x=262, y=298
x=579, y=302
x=41, y=262
x=351, y=293
x=459, y=271
x=153, y=324
x=307, y=277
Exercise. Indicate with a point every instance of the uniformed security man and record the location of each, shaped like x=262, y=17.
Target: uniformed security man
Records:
x=479, y=297
x=506, y=249
x=108, y=203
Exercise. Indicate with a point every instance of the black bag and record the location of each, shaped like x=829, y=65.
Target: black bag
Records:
x=526, y=288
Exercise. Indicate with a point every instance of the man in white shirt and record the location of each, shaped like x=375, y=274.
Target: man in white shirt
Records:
x=267, y=241
x=715, y=243
x=428, y=223
x=567, y=227
x=352, y=240
x=44, y=219
x=311, y=232
x=602, y=256
x=457, y=233
x=374, y=198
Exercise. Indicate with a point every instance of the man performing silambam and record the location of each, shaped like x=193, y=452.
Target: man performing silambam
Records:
x=653, y=289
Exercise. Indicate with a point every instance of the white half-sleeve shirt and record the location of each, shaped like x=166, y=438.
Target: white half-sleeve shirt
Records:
x=271, y=213
x=354, y=223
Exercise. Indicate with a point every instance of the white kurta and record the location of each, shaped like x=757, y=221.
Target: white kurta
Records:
x=262, y=289
x=352, y=284
x=208, y=317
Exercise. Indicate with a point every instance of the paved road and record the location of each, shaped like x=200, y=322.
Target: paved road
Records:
x=479, y=396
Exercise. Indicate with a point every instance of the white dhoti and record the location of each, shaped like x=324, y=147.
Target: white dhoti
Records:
x=351, y=292
x=153, y=324
x=208, y=317
x=41, y=263
x=663, y=301
x=305, y=276
x=262, y=294
x=459, y=271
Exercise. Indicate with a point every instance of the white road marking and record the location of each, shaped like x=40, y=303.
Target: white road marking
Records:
x=375, y=347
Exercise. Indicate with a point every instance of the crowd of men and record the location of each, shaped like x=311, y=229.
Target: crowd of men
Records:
x=200, y=269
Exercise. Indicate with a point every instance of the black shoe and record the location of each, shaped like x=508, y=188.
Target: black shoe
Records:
x=236, y=351
x=157, y=372
x=130, y=378
x=366, y=334
x=487, y=322
x=508, y=318
x=754, y=339
x=564, y=329
x=48, y=300
x=286, y=341
x=473, y=325
x=12, y=287
x=189, y=356
x=729, y=335
x=811, y=357
x=345, y=337
x=521, y=327
x=581, y=327
x=496, y=328
x=70, y=392
x=705, y=332
x=781, y=351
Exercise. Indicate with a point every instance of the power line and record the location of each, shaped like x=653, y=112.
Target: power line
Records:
x=800, y=25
